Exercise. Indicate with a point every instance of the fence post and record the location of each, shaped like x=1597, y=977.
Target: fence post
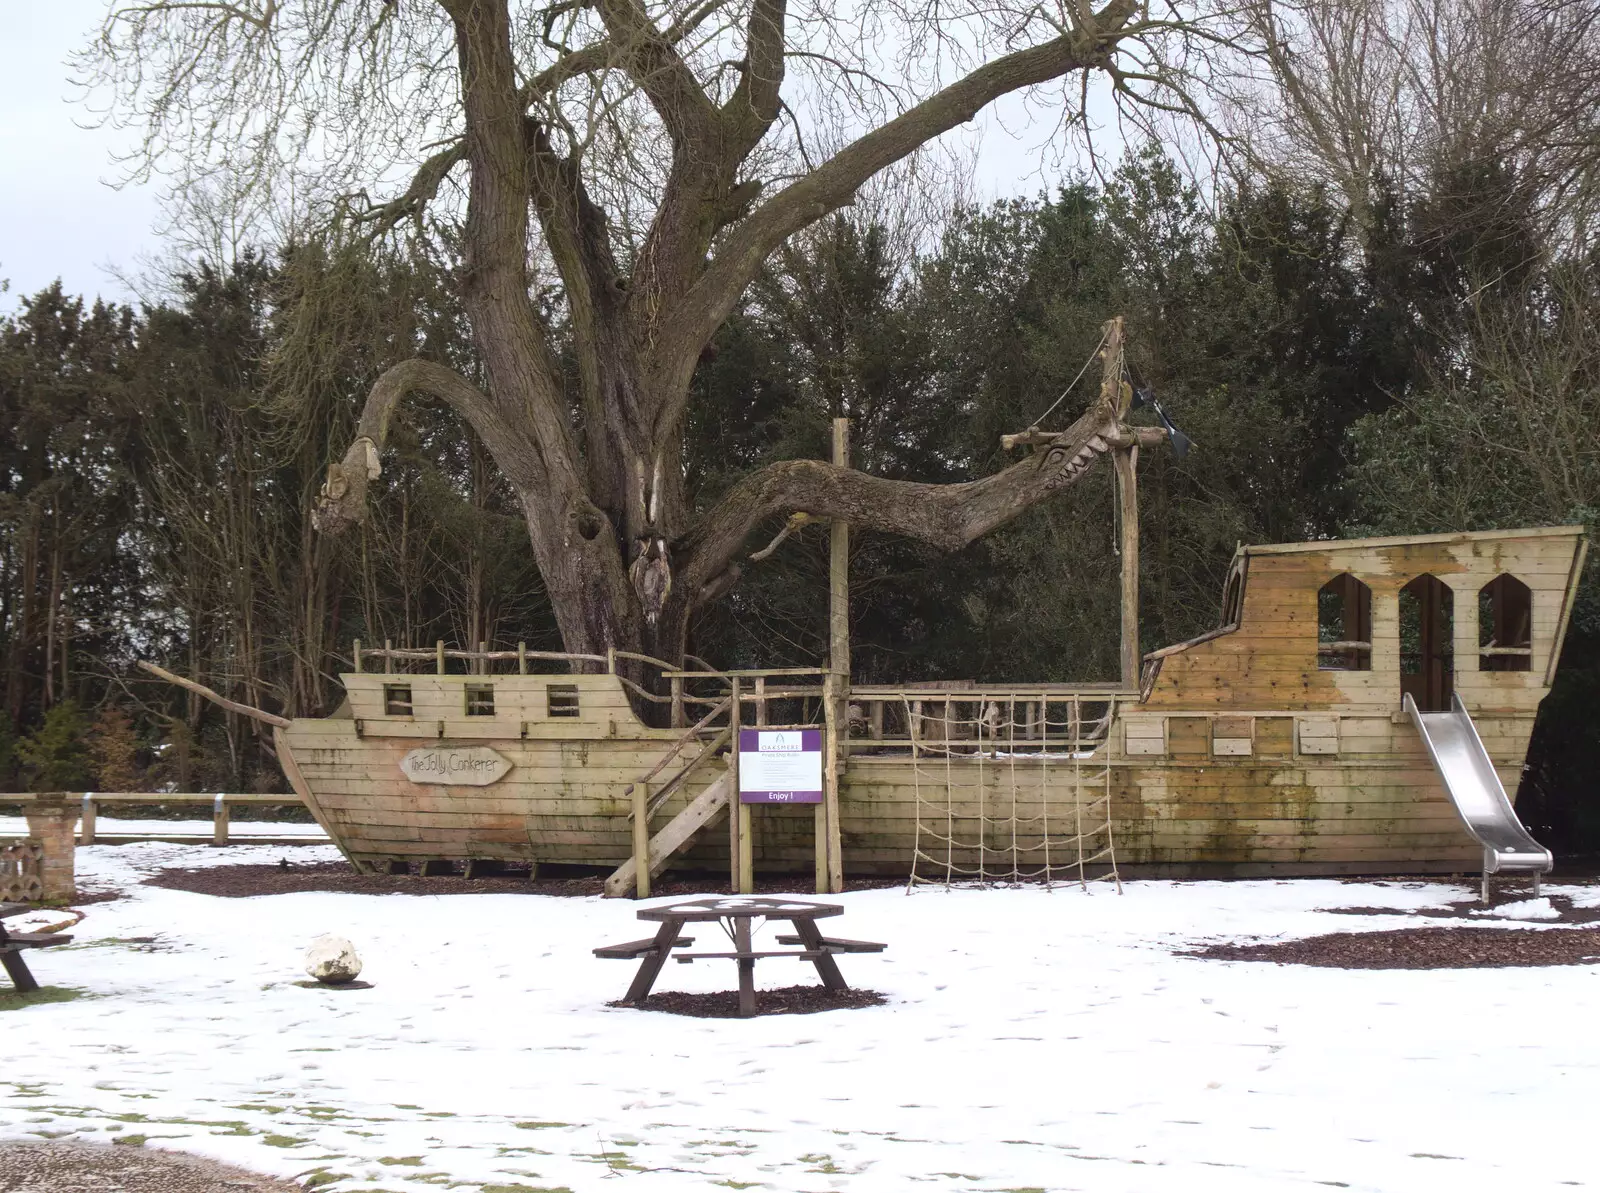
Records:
x=219, y=820
x=86, y=837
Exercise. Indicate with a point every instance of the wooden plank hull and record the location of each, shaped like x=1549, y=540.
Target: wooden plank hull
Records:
x=1245, y=752
x=1380, y=809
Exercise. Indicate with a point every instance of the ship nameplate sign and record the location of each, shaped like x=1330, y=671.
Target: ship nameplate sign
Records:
x=455, y=766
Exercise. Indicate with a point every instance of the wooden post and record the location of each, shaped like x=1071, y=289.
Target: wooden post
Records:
x=522, y=658
x=677, y=702
x=761, y=701
x=219, y=820
x=839, y=574
x=830, y=856
x=438, y=656
x=641, y=840
x=1116, y=397
x=820, y=812
x=836, y=695
x=356, y=654
x=747, y=853
x=1127, y=465
x=481, y=663
x=734, y=712
x=388, y=657
x=87, y=837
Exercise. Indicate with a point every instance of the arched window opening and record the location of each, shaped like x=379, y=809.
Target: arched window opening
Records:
x=1427, y=667
x=1505, y=625
x=1344, y=625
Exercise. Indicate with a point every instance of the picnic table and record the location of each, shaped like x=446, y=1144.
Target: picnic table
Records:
x=734, y=915
x=12, y=944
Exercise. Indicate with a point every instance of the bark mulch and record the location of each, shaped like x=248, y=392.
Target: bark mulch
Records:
x=59, y=1166
x=785, y=1000
x=1422, y=948
x=1472, y=909
x=241, y=882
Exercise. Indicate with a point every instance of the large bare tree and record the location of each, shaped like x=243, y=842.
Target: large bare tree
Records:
x=640, y=159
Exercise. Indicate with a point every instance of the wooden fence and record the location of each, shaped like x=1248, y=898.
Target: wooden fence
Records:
x=220, y=804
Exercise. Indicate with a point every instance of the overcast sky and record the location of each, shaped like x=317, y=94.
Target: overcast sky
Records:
x=60, y=218
x=57, y=216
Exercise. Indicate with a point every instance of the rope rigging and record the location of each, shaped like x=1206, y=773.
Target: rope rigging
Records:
x=988, y=790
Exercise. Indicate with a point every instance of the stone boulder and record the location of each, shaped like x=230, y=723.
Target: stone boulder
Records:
x=333, y=960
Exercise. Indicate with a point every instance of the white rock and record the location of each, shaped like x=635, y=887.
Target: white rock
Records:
x=333, y=959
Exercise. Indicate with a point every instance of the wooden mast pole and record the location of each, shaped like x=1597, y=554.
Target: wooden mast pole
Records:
x=1117, y=397
x=837, y=691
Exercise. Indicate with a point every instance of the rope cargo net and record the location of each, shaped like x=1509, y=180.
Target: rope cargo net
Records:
x=1012, y=790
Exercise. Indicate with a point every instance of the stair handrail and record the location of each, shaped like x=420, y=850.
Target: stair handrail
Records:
x=688, y=736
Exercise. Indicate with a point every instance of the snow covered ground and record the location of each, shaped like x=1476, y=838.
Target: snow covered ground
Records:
x=1033, y=1041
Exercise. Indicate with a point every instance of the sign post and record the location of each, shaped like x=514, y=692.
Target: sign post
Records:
x=780, y=766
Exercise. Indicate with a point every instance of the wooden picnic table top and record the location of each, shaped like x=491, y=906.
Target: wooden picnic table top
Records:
x=739, y=907
x=10, y=909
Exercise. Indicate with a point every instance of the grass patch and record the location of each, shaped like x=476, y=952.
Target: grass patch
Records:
x=525, y=1189
x=10, y=1000
x=535, y=1126
x=282, y=1141
x=130, y=1140
x=414, y=1161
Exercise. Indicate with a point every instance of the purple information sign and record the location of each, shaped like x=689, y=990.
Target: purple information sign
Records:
x=780, y=766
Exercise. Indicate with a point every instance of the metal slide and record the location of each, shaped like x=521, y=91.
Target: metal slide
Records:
x=1480, y=799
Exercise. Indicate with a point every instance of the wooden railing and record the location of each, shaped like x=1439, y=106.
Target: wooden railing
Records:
x=220, y=803
x=886, y=719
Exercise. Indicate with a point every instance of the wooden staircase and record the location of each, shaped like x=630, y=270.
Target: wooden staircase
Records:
x=674, y=835
x=681, y=829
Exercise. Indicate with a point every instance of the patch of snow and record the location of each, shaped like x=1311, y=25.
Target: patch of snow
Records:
x=1522, y=909
x=1032, y=1039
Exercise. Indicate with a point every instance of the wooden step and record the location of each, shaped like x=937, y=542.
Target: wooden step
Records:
x=674, y=835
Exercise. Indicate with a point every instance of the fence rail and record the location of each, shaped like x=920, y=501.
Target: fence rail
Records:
x=220, y=803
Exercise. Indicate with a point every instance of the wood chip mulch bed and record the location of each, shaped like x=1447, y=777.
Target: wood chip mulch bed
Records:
x=242, y=882
x=59, y=1165
x=785, y=1000
x=1422, y=948
x=1472, y=909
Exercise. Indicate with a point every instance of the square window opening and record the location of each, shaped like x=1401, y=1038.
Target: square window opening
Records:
x=561, y=700
x=397, y=700
x=480, y=700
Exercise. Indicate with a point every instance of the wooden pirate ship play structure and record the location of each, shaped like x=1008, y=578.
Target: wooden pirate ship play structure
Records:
x=1363, y=707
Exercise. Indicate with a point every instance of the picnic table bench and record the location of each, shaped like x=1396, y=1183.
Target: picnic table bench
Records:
x=12, y=944
x=735, y=914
